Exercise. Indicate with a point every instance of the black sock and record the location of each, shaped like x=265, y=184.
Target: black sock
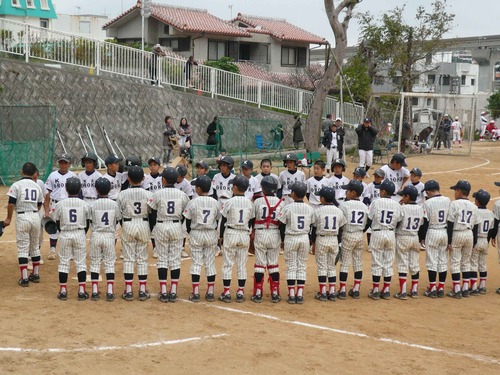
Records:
x=455, y=276
x=128, y=276
x=290, y=282
x=357, y=275
x=343, y=277
x=322, y=279
x=162, y=274
x=195, y=278
x=211, y=279
x=63, y=277
x=153, y=242
x=483, y=274
x=301, y=282
x=258, y=276
x=442, y=276
x=110, y=276
x=376, y=279
x=82, y=276
x=388, y=279
x=143, y=277
x=241, y=283
x=275, y=276
x=36, y=259
x=23, y=260
x=332, y=279
x=432, y=276
x=416, y=276
x=94, y=276
x=175, y=274
x=226, y=283
x=53, y=242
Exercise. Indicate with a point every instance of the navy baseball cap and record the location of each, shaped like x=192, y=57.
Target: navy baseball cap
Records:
x=359, y=171
x=367, y=119
x=135, y=173
x=170, y=175
x=326, y=192
x=461, y=185
x=154, y=159
x=379, y=172
x=203, y=182
x=111, y=159
x=388, y=186
x=409, y=190
x=299, y=188
x=182, y=170
x=431, y=185
x=240, y=181
x=355, y=185
x=64, y=157
x=202, y=164
x=416, y=172
x=482, y=196
x=247, y=164
x=497, y=183
x=399, y=158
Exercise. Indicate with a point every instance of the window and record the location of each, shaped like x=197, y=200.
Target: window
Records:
x=397, y=80
x=84, y=27
x=414, y=101
x=429, y=102
x=293, y=56
x=166, y=29
x=445, y=80
x=497, y=71
x=464, y=79
x=15, y=3
x=428, y=58
x=216, y=49
x=472, y=81
x=30, y=4
x=378, y=80
x=177, y=44
x=431, y=78
x=44, y=4
x=44, y=22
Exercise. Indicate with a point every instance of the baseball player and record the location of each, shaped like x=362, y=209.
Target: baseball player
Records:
x=254, y=189
x=480, y=251
x=220, y=183
x=462, y=218
x=456, y=130
x=372, y=193
x=237, y=219
x=330, y=141
x=41, y=213
x=133, y=204
x=327, y=222
x=202, y=169
x=383, y=216
x=104, y=215
x=397, y=173
x=290, y=176
x=169, y=203
x=356, y=214
x=296, y=219
x=129, y=162
x=55, y=186
x=267, y=239
x=495, y=239
x=266, y=166
x=433, y=230
x=415, y=176
x=338, y=180
x=114, y=177
x=484, y=123
x=407, y=242
x=153, y=181
x=26, y=198
x=315, y=183
x=72, y=218
x=89, y=177
x=202, y=215
x=359, y=174
x=182, y=183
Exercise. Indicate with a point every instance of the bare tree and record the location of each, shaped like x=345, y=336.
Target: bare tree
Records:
x=313, y=123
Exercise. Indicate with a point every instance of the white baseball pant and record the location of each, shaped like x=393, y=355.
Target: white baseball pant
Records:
x=28, y=234
x=236, y=243
x=296, y=252
x=365, y=158
x=267, y=248
x=202, y=245
x=456, y=135
x=102, y=249
x=135, y=238
x=382, y=246
x=436, y=253
x=352, y=250
x=483, y=130
x=169, y=237
x=331, y=154
x=408, y=254
x=479, y=255
x=72, y=245
x=461, y=250
x=326, y=250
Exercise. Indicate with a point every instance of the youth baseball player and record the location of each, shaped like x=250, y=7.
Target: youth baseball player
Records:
x=372, y=193
x=88, y=177
x=104, y=215
x=72, y=218
x=495, y=236
x=462, y=218
x=436, y=209
x=55, y=185
x=356, y=214
x=267, y=239
x=359, y=174
x=480, y=251
x=153, y=181
x=41, y=213
x=114, y=177
x=407, y=242
x=169, y=203
x=315, y=183
x=296, y=219
x=415, y=176
x=337, y=180
x=202, y=169
x=254, y=188
x=484, y=124
x=397, y=173
x=327, y=222
x=237, y=219
x=289, y=177
x=266, y=166
x=456, y=130
x=220, y=183
x=202, y=215
x=182, y=183
x=383, y=216
x=133, y=204
x=26, y=198
x=129, y=162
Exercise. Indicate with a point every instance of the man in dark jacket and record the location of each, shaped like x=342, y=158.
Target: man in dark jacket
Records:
x=366, y=138
x=297, y=132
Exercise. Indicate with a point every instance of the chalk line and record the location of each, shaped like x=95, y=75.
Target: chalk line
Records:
x=461, y=169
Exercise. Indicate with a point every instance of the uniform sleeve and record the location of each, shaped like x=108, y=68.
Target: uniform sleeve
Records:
x=341, y=219
x=118, y=212
x=218, y=211
x=226, y=208
x=406, y=172
x=452, y=213
x=187, y=211
x=283, y=215
x=41, y=196
x=13, y=191
x=372, y=211
x=48, y=184
x=153, y=203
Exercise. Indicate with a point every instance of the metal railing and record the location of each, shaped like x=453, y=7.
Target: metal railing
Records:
x=34, y=42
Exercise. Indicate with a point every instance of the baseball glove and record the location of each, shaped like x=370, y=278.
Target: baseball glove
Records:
x=1, y=228
x=337, y=258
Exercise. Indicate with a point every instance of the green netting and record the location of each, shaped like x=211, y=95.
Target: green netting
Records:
x=27, y=133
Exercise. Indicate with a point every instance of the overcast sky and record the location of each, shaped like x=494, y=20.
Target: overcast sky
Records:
x=470, y=20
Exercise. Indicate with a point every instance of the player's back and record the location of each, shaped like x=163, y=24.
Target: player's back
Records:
x=486, y=220
x=170, y=203
x=267, y=210
x=328, y=219
x=133, y=202
x=463, y=213
x=104, y=213
x=411, y=220
x=203, y=211
x=72, y=213
x=385, y=214
x=298, y=218
x=238, y=211
x=28, y=195
x=356, y=214
x=436, y=211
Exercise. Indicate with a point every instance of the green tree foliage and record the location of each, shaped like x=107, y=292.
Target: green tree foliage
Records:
x=494, y=105
x=356, y=77
x=224, y=63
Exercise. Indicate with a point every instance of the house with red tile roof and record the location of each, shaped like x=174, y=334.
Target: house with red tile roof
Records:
x=270, y=44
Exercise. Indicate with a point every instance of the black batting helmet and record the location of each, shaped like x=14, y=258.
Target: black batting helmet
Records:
x=133, y=160
x=89, y=156
x=269, y=184
x=73, y=185
x=226, y=159
x=135, y=173
x=339, y=162
x=482, y=196
x=103, y=186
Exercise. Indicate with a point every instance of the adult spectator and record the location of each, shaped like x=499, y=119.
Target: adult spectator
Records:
x=366, y=138
x=326, y=125
x=184, y=137
x=425, y=137
x=297, y=132
x=211, y=140
x=169, y=140
x=155, y=61
x=447, y=132
x=443, y=125
x=188, y=70
x=406, y=135
x=340, y=136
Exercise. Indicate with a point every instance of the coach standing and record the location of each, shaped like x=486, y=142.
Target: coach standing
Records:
x=366, y=137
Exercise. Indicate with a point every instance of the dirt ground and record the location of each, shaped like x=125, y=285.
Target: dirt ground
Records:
x=41, y=334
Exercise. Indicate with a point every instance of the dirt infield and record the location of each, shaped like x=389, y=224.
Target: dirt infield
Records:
x=41, y=334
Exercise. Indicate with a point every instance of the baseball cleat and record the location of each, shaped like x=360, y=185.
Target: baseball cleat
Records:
x=341, y=295
x=209, y=297
x=34, y=278
x=63, y=296
x=275, y=298
x=110, y=297
x=291, y=300
x=256, y=298
x=402, y=296
x=482, y=290
x=414, y=295
x=95, y=296
x=163, y=297
x=225, y=298
x=332, y=296
x=440, y=293
x=321, y=297
x=465, y=293
x=82, y=296
x=128, y=296
x=184, y=254
x=374, y=295
x=385, y=295
x=144, y=295
x=354, y=294
x=431, y=294
x=52, y=254
x=456, y=295
x=194, y=298
x=299, y=300
x=497, y=291
x=155, y=254
x=172, y=297
x=24, y=282
x=239, y=297
x=474, y=292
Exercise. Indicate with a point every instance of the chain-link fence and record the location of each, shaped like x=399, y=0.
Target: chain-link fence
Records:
x=27, y=134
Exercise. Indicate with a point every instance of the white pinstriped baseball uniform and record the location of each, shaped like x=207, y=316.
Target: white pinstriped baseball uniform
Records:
x=220, y=185
x=253, y=187
x=260, y=176
x=267, y=235
x=56, y=186
x=286, y=180
x=133, y=204
x=28, y=196
x=328, y=219
x=356, y=214
x=385, y=214
x=396, y=176
x=72, y=213
x=168, y=233
x=336, y=183
x=297, y=217
x=152, y=182
x=204, y=213
x=496, y=214
x=480, y=252
x=185, y=186
x=314, y=184
x=238, y=211
x=407, y=243
x=41, y=211
x=104, y=214
x=421, y=193
x=463, y=213
x=436, y=240
x=195, y=194
x=116, y=184
x=365, y=191
x=372, y=191
x=88, y=185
